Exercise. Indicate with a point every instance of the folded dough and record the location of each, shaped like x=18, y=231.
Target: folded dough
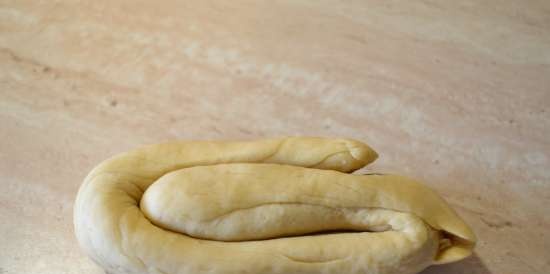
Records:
x=271, y=206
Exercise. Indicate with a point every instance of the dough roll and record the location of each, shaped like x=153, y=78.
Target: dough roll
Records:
x=287, y=205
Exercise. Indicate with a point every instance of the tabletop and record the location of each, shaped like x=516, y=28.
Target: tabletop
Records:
x=453, y=93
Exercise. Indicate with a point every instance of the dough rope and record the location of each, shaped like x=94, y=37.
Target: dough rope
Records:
x=285, y=205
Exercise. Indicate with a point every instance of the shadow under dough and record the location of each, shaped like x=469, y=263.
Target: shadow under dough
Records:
x=471, y=265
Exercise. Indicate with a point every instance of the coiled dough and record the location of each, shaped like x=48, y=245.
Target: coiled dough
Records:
x=285, y=205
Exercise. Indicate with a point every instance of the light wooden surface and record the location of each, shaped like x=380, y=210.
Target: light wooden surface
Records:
x=455, y=93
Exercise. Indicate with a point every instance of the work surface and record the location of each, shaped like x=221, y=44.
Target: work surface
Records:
x=455, y=94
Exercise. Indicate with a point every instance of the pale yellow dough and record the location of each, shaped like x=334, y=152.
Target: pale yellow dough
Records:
x=271, y=206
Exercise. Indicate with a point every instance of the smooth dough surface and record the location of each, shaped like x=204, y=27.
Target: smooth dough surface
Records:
x=284, y=205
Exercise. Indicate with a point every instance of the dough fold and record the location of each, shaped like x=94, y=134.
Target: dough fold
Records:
x=286, y=205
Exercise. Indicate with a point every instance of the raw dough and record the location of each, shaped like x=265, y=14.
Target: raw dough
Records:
x=262, y=207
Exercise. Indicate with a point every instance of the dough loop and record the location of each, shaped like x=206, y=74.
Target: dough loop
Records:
x=271, y=206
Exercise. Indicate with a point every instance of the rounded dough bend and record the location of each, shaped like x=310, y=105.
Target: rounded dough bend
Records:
x=270, y=206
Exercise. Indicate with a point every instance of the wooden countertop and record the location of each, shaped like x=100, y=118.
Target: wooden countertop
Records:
x=454, y=93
